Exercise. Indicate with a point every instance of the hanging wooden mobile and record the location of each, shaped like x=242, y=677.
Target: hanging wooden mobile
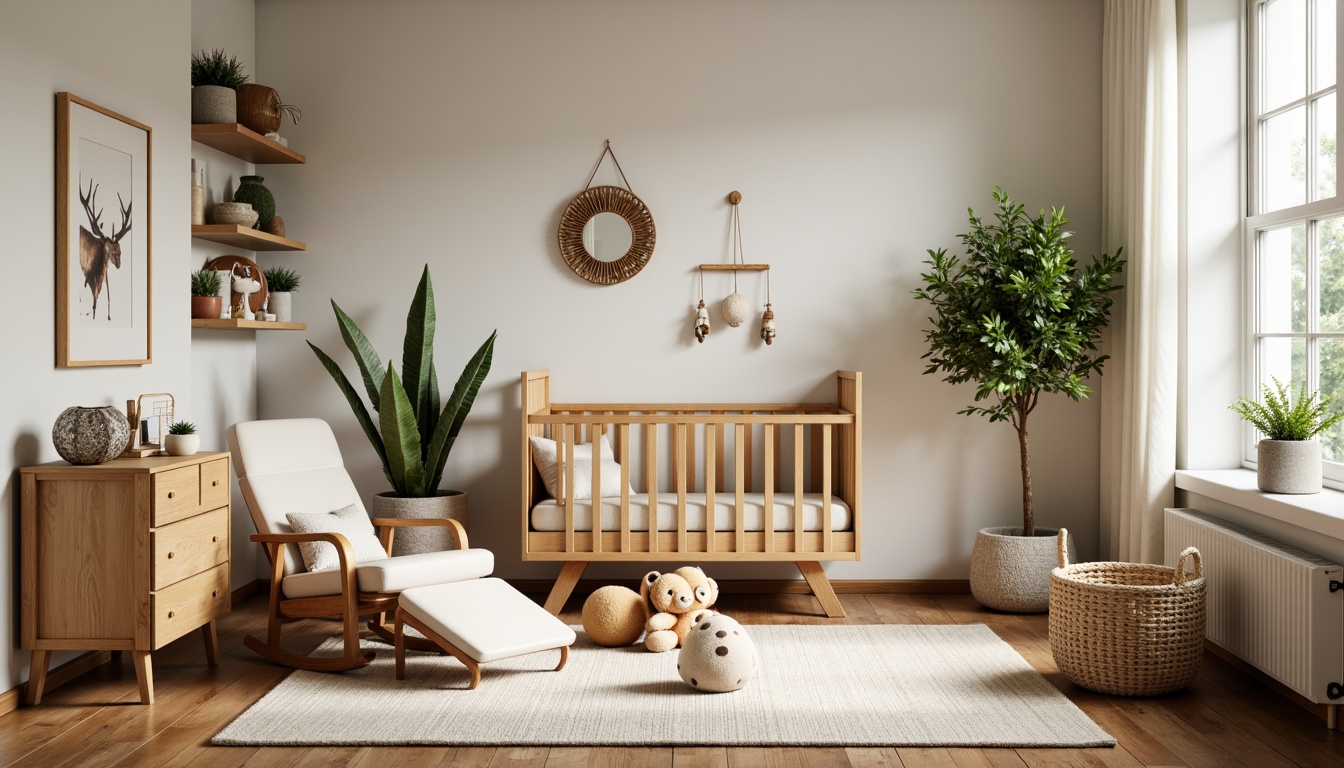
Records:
x=736, y=309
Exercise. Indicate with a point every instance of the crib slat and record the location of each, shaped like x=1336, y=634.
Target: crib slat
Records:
x=826, y=489
x=690, y=458
x=596, y=498
x=651, y=481
x=779, y=454
x=816, y=455
x=797, y=487
x=771, y=456
x=739, y=456
x=623, y=440
x=676, y=455
x=568, y=436
x=711, y=479
x=719, y=462
x=746, y=450
x=680, y=453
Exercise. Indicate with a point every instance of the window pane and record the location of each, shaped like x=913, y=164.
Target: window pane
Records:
x=1284, y=47
x=1284, y=163
x=1325, y=44
x=1332, y=383
x=1282, y=281
x=1285, y=360
x=1325, y=147
x=1330, y=255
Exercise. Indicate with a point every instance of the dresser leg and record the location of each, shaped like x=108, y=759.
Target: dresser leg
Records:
x=211, y=643
x=144, y=675
x=37, y=676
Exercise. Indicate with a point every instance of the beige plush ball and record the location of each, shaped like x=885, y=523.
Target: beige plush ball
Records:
x=613, y=616
x=717, y=656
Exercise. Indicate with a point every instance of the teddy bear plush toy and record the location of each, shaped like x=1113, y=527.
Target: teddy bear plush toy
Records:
x=677, y=601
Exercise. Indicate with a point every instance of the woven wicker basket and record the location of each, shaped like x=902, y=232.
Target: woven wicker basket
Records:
x=1127, y=628
x=259, y=108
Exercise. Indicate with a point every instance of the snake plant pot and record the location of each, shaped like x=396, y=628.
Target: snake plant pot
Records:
x=213, y=104
x=181, y=445
x=451, y=505
x=1011, y=572
x=1288, y=466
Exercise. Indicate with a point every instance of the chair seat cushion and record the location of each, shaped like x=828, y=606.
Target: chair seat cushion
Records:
x=486, y=618
x=396, y=573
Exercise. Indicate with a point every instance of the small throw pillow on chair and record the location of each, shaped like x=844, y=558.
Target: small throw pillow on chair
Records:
x=349, y=521
x=544, y=455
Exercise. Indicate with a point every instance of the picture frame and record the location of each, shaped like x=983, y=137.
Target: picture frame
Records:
x=104, y=213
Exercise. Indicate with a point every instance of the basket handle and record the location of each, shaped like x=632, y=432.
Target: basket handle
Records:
x=1062, y=543
x=1181, y=575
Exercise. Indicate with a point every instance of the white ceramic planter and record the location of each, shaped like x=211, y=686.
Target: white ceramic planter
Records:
x=282, y=304
x=1011, y=572
x=1288, y=466
x=181, y=445
x=412, y=541
x=213, y=104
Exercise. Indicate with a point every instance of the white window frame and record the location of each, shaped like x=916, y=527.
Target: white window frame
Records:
x=1307, y=213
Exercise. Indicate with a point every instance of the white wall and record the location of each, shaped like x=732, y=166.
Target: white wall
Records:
x=131, y=57
x=858, y=133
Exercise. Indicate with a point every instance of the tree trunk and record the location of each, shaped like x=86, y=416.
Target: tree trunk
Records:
x=1028, y=518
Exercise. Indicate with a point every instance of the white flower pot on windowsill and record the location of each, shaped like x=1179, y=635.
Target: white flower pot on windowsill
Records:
x=1288, y=466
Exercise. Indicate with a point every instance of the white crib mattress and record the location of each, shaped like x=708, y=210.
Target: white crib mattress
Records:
x=548, y=515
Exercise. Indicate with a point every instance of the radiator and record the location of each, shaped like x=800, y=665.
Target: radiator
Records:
x=1269, y=603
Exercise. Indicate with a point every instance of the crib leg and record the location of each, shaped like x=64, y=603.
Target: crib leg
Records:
x=821, y=588
x=564, y=584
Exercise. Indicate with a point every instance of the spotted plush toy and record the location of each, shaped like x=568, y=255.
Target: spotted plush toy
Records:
x=717, y=656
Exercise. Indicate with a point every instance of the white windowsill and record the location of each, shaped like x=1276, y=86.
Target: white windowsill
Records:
x=1321, y=513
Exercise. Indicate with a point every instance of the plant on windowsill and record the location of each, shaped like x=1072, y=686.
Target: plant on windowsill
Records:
x=282, y=284
x=182, y=439
x=1019, y=318
x=205, y=301
x=1288, y=459
x=215, y=80
x=412, y=436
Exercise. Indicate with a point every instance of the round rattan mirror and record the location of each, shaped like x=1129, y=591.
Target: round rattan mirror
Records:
x=610, y=268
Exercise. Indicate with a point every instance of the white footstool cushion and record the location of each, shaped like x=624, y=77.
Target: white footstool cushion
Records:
x=486, y=618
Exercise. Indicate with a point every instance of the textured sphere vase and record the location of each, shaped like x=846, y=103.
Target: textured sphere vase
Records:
x=90, y=435
x=450, y=505
x=1288, y=466
x=1011, y=572
x=251, y=190
x=213, y=104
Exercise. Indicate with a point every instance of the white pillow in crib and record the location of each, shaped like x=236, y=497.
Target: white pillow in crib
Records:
x=547, y=462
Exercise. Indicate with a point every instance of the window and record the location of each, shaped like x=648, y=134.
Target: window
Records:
x=1295, y=230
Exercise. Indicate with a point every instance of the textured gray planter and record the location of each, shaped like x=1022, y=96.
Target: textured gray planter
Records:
x=1288, y=466
x=282, y=306
x=412, y=541
x=90, y=435
x=1010, y=572
x=213, y=104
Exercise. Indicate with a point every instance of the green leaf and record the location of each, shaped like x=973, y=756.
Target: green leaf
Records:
x=356, y=405
x=370, y=366
x=417, y=354
x=401, y=436
x=455, y=412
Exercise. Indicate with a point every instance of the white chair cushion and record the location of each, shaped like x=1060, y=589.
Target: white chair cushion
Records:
x=545, y=456
x=486, y=618
x=396, y=573
x=349, y=521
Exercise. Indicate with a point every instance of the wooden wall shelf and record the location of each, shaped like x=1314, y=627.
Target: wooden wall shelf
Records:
x=245, y=144
x=248, y=325
x=242, y=237
x=735, y=267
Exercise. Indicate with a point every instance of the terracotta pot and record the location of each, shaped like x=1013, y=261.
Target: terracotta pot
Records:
x=205, y=307
x=451, y=505
x=1011, y=572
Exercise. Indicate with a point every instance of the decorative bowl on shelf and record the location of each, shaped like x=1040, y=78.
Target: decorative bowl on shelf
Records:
x=235, y=213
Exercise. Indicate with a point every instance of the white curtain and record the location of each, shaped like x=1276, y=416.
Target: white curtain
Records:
x=1139, y=212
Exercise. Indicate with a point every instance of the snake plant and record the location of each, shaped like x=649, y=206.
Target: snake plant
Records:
x=411, y=436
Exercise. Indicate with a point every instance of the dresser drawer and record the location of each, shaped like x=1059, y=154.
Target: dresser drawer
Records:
x=177, y=494
x=215, y=484
x=187, y=547
x=186, y=605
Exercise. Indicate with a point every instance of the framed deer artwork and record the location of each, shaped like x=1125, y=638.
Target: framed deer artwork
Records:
x=103, y=168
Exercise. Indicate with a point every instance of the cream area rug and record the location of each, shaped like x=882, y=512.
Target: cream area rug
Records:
x=857, y=685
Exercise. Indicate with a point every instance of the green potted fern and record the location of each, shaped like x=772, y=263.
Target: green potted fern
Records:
x=1288, y=459
x=215, y=80
x=1018, y=318
x=409, y=429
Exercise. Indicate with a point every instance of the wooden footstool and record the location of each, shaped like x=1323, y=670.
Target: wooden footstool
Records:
x=478, y=621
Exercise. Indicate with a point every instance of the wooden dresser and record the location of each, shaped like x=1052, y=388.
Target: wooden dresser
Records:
x=124, y=556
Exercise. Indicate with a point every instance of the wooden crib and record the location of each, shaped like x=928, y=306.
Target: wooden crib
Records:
x=805, y=459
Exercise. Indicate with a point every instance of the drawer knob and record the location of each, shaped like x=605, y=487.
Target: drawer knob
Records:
x=214, y=483
x=171, y=614
x=171, y=555
x=170, y=494
x=214, y=539
x=215, y=593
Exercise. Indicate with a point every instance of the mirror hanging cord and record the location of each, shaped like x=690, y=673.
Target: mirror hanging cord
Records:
x=606, y=150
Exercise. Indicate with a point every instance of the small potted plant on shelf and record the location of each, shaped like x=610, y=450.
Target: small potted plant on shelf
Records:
x=1288, y=459
x=281, y=283
x=1019, y=318
x=205, y=303
x=182, y=439
x=215, y=80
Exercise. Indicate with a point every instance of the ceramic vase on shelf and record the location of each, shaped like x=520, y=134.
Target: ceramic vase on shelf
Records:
x=213, y=104
x=235, y=213
x=90, y=435
x=282, y=304
x=251, y=190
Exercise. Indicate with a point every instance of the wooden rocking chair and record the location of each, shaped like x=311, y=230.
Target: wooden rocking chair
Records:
x=294, y=465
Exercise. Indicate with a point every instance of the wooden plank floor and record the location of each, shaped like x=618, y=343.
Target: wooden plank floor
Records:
x=1224, y=719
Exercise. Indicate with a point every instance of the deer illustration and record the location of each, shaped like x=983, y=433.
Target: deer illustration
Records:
x=97, y=249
